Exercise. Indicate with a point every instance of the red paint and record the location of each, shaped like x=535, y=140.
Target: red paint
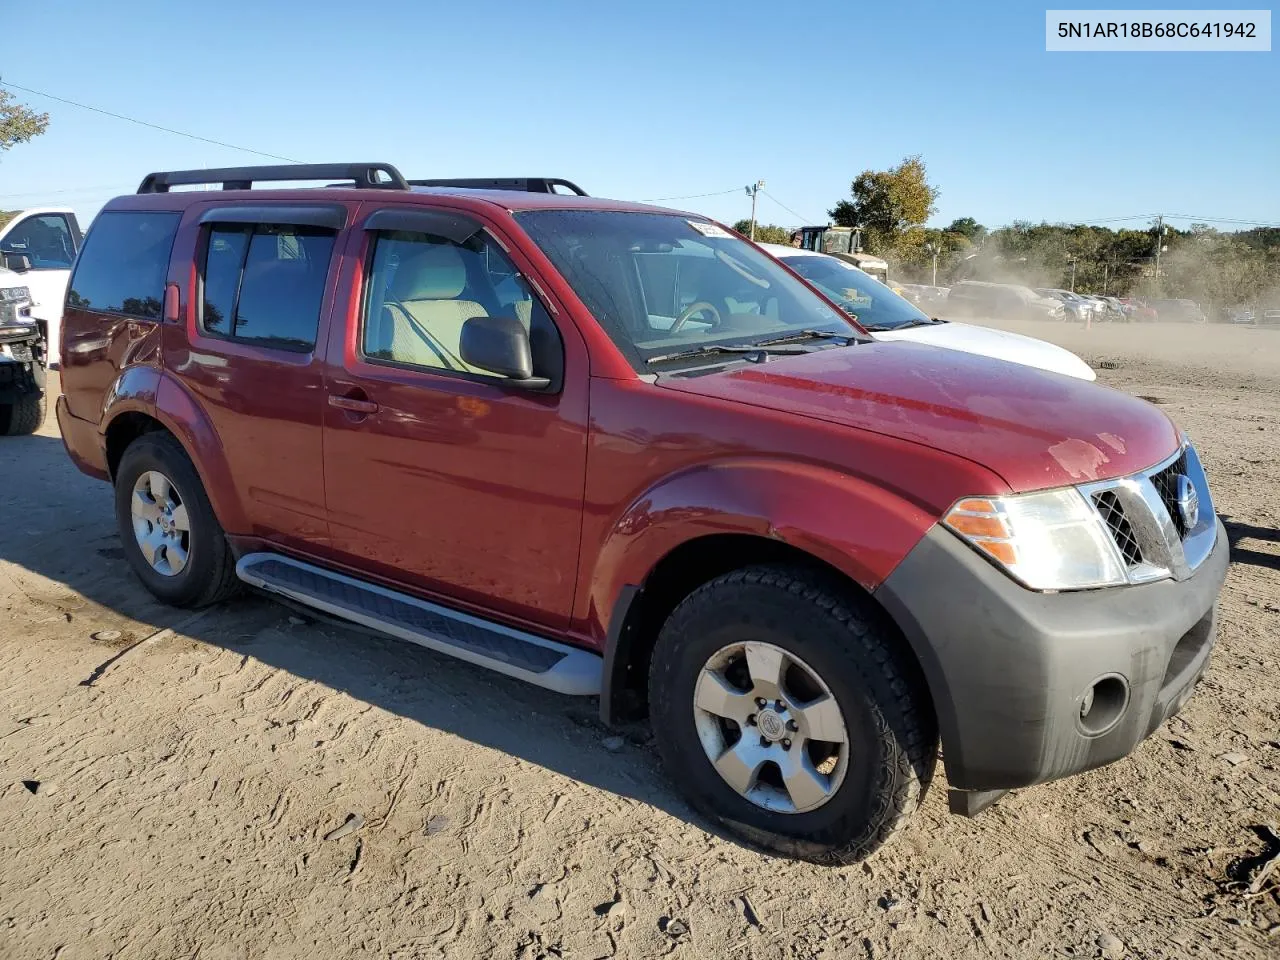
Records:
x=1011, y=418
x=457, y=487
x=537, y=509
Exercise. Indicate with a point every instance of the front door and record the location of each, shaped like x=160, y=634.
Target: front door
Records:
x=438, y=475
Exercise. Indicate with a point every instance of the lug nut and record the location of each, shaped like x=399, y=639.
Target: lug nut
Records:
x=779, y=705
x=761, y=702
x=751, y=719
x=764, y=742
x=786, y=744
x=792, y=726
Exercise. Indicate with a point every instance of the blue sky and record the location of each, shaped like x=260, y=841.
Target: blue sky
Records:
x=650, y=100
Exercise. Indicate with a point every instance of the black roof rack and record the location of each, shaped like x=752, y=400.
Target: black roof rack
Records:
x=364, y=175
x=522, y=184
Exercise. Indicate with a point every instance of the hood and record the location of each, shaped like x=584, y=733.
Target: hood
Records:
x=1032, y=428
x=1013, y=347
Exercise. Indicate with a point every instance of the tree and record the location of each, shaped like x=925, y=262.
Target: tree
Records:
x=887, y=202
x=18, y=123
x=765, y=232
x=969, y=228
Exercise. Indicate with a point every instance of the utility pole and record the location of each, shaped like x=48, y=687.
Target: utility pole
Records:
x=1159, y=242
x=1072, y=261
x=933, y=249
x=751, y=192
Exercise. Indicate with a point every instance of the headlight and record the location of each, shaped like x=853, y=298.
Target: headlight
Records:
x=14, y=293
x=1047, y=541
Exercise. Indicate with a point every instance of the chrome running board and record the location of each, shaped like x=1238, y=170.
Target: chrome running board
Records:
x=545, y=663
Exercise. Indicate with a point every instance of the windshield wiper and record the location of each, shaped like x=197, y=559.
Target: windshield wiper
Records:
x=800, y=335
x=711, y=348
x=882, y=328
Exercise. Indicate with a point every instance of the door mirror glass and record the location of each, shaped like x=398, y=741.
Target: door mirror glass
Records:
x=500, y=345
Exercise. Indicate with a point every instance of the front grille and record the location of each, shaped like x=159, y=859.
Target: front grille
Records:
x=1166, y=484
x=1149, y=530
x=1112, y=512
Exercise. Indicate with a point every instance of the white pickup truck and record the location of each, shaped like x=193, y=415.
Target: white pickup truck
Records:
x=37, y=248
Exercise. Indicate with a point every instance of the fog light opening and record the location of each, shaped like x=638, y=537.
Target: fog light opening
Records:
x=1102, y=704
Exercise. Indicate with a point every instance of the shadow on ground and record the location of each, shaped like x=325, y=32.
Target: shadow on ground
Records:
x=1237, y=531
x=58, y=524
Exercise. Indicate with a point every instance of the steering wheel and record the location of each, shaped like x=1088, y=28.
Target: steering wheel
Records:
x=693, y=308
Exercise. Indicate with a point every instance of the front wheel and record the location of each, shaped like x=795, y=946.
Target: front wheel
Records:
x=168, y=530
x=24, y=416
x=791, y=715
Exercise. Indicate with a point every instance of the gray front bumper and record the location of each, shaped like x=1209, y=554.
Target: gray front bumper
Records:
x=1009, y=669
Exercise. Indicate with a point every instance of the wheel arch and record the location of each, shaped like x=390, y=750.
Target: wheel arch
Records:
x=687, y=528
x=643, y=608
x=175, y=412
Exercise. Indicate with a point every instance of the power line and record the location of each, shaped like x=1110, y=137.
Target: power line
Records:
x=144, y=123
x=693, y=196
x=112, y=188
x=1138, y=216
x=785, y=207
x=1250, y=223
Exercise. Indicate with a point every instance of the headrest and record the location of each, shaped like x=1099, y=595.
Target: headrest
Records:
x=433, y=272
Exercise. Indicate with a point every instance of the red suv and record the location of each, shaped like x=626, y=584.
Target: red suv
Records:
x=618, y=450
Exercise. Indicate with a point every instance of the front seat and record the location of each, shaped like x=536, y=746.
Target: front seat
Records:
x=423, y=317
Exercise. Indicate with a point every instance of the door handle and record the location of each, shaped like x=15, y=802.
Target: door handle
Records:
x=353, y=404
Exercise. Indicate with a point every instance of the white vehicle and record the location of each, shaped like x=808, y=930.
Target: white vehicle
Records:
x=37, y=248
x=890, y=317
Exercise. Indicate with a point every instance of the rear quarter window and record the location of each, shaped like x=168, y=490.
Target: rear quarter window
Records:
x=123, y=264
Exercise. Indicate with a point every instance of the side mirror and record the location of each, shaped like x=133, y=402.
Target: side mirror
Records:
x=501, y=345
x=17, y=262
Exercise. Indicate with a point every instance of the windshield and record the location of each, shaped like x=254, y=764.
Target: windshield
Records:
x=873, y=304
x=661, y=284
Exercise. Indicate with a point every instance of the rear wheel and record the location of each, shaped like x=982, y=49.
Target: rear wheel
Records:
x=790, y=715
x=23, y=416
x=170, y=535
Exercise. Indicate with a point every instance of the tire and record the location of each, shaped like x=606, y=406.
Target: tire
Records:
x=24, y=416
x=208, y=572
x=891, y=738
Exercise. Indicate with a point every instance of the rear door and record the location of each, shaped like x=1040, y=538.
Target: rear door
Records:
x=250, y=352
x=440, y=476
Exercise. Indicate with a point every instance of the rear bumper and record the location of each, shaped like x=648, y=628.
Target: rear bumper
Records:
x=1011, y=671
x=85, y=445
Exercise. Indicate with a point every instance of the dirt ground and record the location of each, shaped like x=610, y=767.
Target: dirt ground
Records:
x=167, y=782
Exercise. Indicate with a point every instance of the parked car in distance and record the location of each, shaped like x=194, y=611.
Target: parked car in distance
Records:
x=1103, y=309
x=37, y=248
x=618, y=450
x=888, y=316
x=22, y=365
x=1177, y=311
x=1005, y=301
x=1139, y=311
x=1270, y=316
x=1117, y=309
x=923, y=295
x=1077, y=307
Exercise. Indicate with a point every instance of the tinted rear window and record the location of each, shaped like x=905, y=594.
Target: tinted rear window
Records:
x=123, y=264
x=264, y=283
